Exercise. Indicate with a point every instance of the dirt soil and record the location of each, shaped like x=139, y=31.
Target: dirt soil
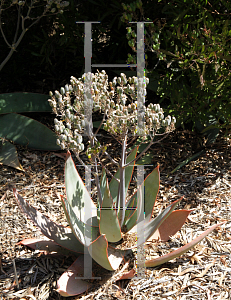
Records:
x=203, y=273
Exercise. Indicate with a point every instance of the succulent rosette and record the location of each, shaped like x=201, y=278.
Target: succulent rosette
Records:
x=96, y=227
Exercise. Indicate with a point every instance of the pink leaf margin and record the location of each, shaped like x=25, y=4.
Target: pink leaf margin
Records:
x=165, y=258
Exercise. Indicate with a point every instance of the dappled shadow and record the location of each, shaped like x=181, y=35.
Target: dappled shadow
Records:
x=61, y=235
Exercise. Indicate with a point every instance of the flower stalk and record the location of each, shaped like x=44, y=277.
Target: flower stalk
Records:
x=116, y=213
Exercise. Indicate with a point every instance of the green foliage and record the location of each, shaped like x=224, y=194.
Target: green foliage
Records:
x=23, y=103
x=23, y=130
x=189, y=40
x=27, y=132
x=8, y=155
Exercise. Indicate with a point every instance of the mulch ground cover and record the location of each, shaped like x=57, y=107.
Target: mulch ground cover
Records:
x=202, y=273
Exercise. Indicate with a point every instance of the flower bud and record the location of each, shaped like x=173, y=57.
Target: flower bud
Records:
x=111, y=94
x=78, y=126
x=63, y=137
x=68, y=113
x=168, y=120
x=119, y=90
x=114, y=81
x=79, y=139
x=52, y=103
x=157, y=107
x=65, y=131
x=133, y=106
x=123, y=101
x=66, y=88
x=74, y=144
x=161, y=115
x=112, y=104
x=69, y=126
x=62, y=90
x=57, y=94
x=163, y=123
x=63, y=146
x=61, y=128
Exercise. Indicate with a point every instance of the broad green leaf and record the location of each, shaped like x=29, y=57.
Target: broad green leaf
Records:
x=24, y=102
x=109, y=223
x=8, y=155
x=68, y=285
x=149, y=227
x=141, y=143
x=61, y=235
x=171, y=225
x=131, y=214
x=83, y=232
x=76, y=192
x=165, y=258
x=113, y=186
x=131, y=207
x=109, y=258
x=145, y=160
x=27, y=132
x=151, y=188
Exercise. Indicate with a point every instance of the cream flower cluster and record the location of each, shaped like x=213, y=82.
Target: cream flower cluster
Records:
x=117, y=100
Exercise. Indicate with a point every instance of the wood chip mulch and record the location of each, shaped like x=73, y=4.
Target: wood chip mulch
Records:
x=202, y=273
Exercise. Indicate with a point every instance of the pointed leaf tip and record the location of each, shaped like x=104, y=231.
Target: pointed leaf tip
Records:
x=68, y=154
x=127, y=275
x=165, y=258
x=171, y=225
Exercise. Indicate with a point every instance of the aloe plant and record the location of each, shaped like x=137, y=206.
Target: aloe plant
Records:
x=114, y=213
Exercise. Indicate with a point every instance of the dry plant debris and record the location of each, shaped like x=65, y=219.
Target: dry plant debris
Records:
x=204, y=273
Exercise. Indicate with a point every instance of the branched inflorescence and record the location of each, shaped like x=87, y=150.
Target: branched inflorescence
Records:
x=117, y=100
